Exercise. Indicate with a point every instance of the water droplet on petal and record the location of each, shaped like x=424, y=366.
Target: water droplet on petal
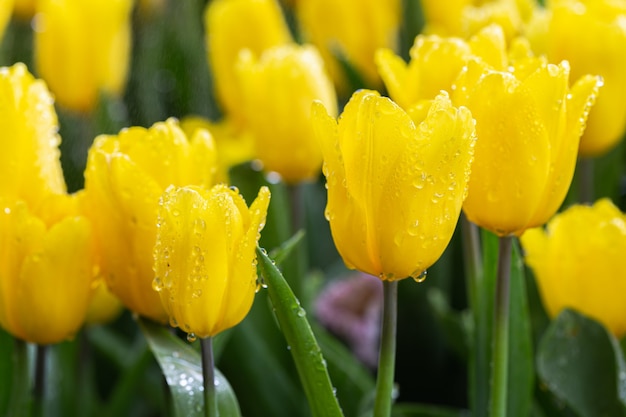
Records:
x=419, y=275
x=191, y=337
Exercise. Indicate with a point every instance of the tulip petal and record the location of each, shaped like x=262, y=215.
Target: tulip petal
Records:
x=508, y=122
x=431, y=181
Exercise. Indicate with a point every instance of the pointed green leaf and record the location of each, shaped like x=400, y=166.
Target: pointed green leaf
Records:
x=304, y=348
x=582, y=364
x=182, y=368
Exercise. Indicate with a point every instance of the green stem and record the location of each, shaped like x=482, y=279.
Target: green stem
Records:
x=208, y=374
x=387, y=355
x=479, y=363
x=18, y=403
x=500, y=368
x=586, y=177
x=39, y=388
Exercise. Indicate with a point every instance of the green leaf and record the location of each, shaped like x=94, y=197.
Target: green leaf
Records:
x=182, y=368
x=304, y=348
x=419, y=410
x=353, y=382
x=283, y=251
x=15, y=399
x=582, y=364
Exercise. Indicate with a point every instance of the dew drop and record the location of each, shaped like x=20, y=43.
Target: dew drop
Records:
x=173, y=322
x=301, y=312
x=175, y=213
x=191, y=337
x=7, y=210
x=157, y=284
x=196, y=294
x=199, y=226
x=413, y=229
x=419, y=275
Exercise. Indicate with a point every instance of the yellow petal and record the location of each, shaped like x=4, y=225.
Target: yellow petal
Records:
x=30, y=167
x=231, y=27
x=204, y=257
x=293, y=77
x=577, y=241
x=512, y=154
x=92, y=40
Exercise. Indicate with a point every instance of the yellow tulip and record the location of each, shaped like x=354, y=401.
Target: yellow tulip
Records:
x=82, y=48
x=435, y=64
x=351, y=30
x=577, y=242
x=204, y=257
x=30, y=168
x=528, y=123
x=46, y=269
x=466, y=17
x=598, y=49
x=278, y=90
x=395, y=189
x=233, y=25
x=234, y=146
x=125, y=176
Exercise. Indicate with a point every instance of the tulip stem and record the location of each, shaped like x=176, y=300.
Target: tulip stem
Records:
x=500, y=369
x=586, y=176
x=387, y=355
x=208, y=374
x=39, y=387
x=20, y=380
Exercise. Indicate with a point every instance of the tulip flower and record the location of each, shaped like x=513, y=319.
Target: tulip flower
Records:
x=579, y=240
x=395, y=189
x=529, y=122
x=205, y=256
x=82, y=48
x=598, y=49
x=233, y=25
x=30, y=168
x=47, y=269
x=352, y=31
x=435, y=64
x=125, y=176
x=466, y=17
x=278, y=90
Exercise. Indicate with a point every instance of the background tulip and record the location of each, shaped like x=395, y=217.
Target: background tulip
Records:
x=46, y=269
x=278, y=89
x=125, y=176
x=466, y=17
x=435, y=64
x=30, y=168
x=394, y=189
x=598, y=49
x=205, y=256
x=82, y=48
x=528, y=123
x=582, y=240
x=336, y=29
x=233, y=25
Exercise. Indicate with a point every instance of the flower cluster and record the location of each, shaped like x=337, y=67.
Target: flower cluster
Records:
x=123, y=158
